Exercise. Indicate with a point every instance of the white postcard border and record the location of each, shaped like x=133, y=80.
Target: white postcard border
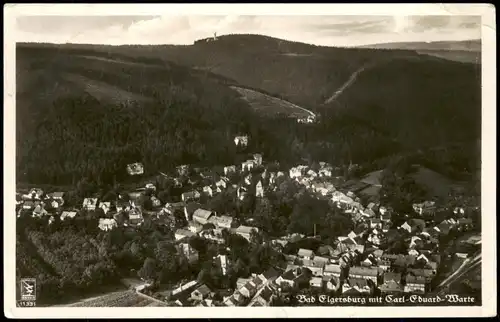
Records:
x=488, y=154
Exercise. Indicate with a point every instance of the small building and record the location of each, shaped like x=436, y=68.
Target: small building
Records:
x=425, y=208
x=241, y=193
x=28, y=205
x=224, y=221
x=287, y=279
x=202, y=216
x=356, y=286
x=191, y=195
x=316, y=282
x=315, y=267
x=370, y=273
x=207, y=190
x=107, y=223
x=105, y=206
x=135, y=169
x=241, y=140
x=306, y=254
x=194, y=227
x=183, y=233
x=189, y=210
x=391, y=284
x=415, y=284
x=57, y=196
x=259, y=189
x=245, y=231
x=332, y=270
x=89, y=204
x=155, y=202
x=229, y=169
x=222, y=183
x=34, y=194
x=40, y=211
x=201, y=293
x=247, y=165
x=257, y=158
x=68, y=214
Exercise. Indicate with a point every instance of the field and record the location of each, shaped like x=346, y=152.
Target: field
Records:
x=271, y=105
x=127, y=298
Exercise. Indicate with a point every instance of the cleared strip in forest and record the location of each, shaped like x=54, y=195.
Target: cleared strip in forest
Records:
x=272, y=105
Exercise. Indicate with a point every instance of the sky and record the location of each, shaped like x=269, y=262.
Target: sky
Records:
x=339, y=30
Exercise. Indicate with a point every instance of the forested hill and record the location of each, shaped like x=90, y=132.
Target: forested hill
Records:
x=88, y=110
x=83, y=115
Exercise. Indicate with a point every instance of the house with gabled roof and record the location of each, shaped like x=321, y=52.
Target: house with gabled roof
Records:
x=202, y=216
x=183, y=233
x=105, y=206
x=28, y=205
x=107, y=223
x=40, y=211
x=370, y=273
x=229, y=169
x=224, y=221
x=247, y=165
x=191, y=195
x=305, y=253
x=287, y=279
x=332, y=270
x=241, y=192
x=406, y=227
x=269, y=275
x=34, y=194
x=245, y=231
x=241, y=140
x=68, y=214
x=356, y=286
x=182, y=170
x=259, y=189
x=58, y=196
x=415, y=284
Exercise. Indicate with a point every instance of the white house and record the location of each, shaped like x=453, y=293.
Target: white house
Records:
x=257, y=158
x=245, y=231
x=208, y=191
x=259, y=189
x=202, y=216
x=229, y=169
x=191, y=195
x=306, y=254
x=247, y=165
x=89, y=203
x=68, y=214
x=241, y=140
x=107, y=224
x=34, y=194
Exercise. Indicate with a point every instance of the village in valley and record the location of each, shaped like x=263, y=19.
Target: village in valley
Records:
x=362, y=261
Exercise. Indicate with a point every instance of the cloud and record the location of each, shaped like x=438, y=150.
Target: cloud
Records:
x=340, y=30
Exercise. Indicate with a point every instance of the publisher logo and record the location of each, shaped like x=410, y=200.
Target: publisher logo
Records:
x=28, y=289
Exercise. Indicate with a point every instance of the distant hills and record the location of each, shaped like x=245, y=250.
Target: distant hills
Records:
x=467, y=51
x=402, y=96
x=468, y=45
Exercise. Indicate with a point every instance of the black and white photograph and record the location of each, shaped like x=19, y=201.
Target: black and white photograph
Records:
x=339, y=162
